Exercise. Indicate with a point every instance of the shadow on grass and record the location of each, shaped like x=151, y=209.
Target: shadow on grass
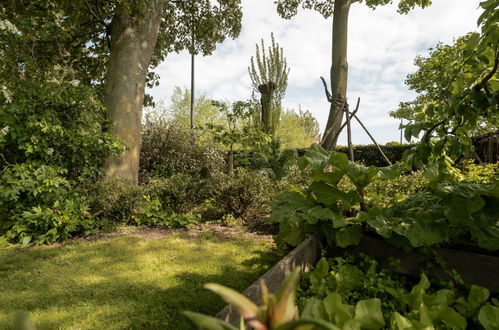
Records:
x=125, y=283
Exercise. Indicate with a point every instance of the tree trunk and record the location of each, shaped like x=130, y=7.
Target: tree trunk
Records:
x=133, y=38
x=339, y=72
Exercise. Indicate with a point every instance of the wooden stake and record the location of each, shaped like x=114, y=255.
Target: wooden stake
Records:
x=374, y=141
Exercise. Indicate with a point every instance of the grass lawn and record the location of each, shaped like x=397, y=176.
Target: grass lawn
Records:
x=141, y=279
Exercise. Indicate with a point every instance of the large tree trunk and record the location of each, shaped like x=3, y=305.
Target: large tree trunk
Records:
x=133, y=38
x=339, y=72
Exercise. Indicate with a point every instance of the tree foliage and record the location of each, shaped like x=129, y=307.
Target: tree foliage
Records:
x=289, y=8
x=297, y=130
x=179, y=107
x=269, y=77
x=459, y=96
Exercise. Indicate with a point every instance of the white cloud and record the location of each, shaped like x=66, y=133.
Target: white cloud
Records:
x=382, y=47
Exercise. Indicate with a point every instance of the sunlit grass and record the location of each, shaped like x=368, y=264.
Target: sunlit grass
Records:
x=126, y=282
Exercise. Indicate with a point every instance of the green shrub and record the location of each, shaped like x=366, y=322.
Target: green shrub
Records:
x=39, y=205
x=246, y=195
x=167, y=149
x=481, y=173
x=152, y=213
x=44, y=224
x=183, y=193
x=390, y=191
x=113, y=202
x=49, y=119
x=369, y=155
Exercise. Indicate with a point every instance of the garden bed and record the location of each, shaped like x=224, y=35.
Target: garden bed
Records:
x=474, y=267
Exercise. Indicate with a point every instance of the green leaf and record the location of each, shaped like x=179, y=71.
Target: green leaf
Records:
x=368, y=314
x=489, y=317
x=415, y=298
x=284, y=309
x=453, y=318
x=243, y=305
x=390, y=172
x=477, y=296
x=338, y=312
x=320, y=213
x=316, y=323
x=332, y=196
x=361, y=176
x=349, y=235
x=208, y=322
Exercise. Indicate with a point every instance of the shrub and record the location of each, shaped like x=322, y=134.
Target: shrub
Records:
x=52, y=120
x=246, y=195
x=113, y=202
x=39, y=205
x=183, y=193
x=369, y=155
x=152, y=213
x=481, y=173
x=44, y=224
x=167, y=150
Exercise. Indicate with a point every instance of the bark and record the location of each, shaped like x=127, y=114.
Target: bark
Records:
x=339, y=72
x=133, y=38
x=266, y=98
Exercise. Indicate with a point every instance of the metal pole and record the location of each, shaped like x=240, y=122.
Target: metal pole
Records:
x=192, y=91
x=192, y=74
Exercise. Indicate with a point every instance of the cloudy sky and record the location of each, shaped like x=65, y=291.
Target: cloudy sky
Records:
x=382, y=47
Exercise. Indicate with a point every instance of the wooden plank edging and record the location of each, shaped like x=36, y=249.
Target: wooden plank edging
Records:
x=304, y=255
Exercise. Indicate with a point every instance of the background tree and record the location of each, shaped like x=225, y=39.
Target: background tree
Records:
x=459, y=89
x=114, y=44
x=233, y=131
x=179, y=109
x=269, y=77
x=339, y=10
x=297, y=130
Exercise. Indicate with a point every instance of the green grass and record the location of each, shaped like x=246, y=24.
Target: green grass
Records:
x=126, y=282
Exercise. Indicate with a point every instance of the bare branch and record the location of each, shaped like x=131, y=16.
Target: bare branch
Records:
x=328, y=95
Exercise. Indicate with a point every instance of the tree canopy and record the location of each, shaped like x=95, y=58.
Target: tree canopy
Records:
x=459, y=89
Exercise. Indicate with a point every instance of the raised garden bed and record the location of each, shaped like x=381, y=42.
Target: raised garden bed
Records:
x=474, y=267
x=304, y=255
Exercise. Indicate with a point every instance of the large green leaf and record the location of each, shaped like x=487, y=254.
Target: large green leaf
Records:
x=349, y=235
x=423, y=231
x=332, y=196
x=320, y=213
x=243, y=305
x=368, y=314
x=361, y=176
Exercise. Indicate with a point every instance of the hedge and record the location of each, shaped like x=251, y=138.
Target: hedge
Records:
x=370, y=155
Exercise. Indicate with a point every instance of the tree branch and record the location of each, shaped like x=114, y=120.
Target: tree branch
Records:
x=491, y=73
x=328, y=95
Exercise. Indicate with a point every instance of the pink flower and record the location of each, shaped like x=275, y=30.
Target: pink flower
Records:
x=85, y=214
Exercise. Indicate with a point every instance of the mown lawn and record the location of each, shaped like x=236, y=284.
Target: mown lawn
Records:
x=132, y=281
